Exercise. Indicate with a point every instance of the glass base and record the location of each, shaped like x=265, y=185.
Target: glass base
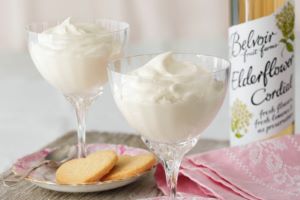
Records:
x=171, y=155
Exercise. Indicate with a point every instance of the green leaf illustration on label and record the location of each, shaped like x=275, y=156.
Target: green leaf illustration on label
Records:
x=286, y=22
x=240, y=118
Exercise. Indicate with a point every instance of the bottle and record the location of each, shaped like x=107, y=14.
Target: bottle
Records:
x=261, y=51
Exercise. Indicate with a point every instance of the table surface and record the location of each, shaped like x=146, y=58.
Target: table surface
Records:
x=145, y=187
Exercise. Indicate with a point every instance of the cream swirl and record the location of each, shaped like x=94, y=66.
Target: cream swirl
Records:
x=165, y=79
x=81, y=38
x=73, y=57
x=168, y=100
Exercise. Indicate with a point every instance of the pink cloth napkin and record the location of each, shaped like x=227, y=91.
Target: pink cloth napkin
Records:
x=268, y=170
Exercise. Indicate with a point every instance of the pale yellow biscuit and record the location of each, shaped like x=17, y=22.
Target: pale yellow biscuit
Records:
x=128, y=166
x=85, y=170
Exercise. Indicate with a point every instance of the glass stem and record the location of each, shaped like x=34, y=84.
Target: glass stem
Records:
x=171, y=156
x=81, y=107
x=172, y=169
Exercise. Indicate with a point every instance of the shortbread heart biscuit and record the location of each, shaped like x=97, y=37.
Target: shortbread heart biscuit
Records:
x=128, y=166
x=85, y=170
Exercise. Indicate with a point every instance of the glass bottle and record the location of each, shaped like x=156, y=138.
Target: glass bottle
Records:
x=261, y=51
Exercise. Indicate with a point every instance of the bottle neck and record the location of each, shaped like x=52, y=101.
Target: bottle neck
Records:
x=247, y=10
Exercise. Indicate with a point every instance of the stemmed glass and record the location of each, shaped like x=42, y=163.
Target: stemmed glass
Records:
x=169, y=128
x=77, y=66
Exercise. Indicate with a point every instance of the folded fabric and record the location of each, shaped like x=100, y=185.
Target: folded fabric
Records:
x=267, y=170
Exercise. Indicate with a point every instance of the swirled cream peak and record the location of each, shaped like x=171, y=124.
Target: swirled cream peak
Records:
x=168, y=100
x=166, y=79
x=73, y=56
x=67, y=28
x=83, y=38
x=165, y=66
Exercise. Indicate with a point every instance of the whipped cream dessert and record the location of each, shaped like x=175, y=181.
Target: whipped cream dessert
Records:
x=73, y=57
x=168, y=100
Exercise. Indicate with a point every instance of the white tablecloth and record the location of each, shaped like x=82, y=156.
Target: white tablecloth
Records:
x=33, y=113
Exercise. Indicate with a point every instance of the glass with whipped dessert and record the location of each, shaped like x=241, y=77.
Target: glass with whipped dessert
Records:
x=72, y=56
x=169, y=99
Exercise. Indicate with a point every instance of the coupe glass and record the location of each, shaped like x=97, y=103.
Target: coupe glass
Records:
x=79, y=75
x=169, y=129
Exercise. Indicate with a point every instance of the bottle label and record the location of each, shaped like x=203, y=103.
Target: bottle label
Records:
x=262, y=77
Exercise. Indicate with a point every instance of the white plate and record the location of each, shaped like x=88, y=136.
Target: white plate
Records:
x=45, y=176
x=92, y=187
